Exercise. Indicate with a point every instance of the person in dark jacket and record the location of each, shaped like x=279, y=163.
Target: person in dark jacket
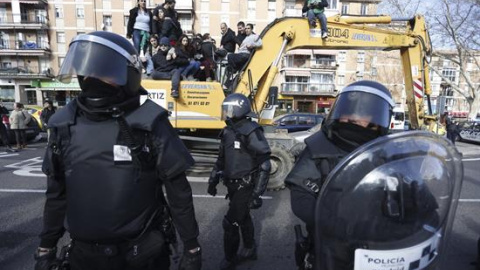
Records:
x=244, y=164
x=108, y=192
x=241, y=34
x=158, y=18
x=362, y=112
x=228, y=38
x=166, y=68
x=3, y=129
x=207, y=65
x=47, y=112
x=184, y=57
x=139, y=26
x=315, y=9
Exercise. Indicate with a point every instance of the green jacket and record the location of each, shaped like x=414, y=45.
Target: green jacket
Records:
x=317, y=5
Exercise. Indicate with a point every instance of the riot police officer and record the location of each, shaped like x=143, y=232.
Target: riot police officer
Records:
x=107, y=161
x=244, y=164
x=361, y=113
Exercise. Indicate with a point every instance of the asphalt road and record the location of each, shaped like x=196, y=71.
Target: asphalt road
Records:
x=22, y=188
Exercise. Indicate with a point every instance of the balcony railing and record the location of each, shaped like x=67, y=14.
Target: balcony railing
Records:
x=23, y=45
x=26, y=20
x=323, y=63
x=295, y=88
x=25, y=72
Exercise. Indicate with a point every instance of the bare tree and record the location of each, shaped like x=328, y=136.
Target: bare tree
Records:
x=454, y=24
x=399, y=8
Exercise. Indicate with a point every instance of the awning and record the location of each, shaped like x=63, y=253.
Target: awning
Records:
x=53, y=89
x=314, y=51
x=298, y=73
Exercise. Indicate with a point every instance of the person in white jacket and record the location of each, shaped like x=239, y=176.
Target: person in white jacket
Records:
x=19, y=119
x=251, y=42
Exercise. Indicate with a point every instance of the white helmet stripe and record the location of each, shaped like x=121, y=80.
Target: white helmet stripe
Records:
x=96, y=39
x=370, y=90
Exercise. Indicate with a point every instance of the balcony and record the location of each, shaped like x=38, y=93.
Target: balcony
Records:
x=25, y=72
x=308, y=89
x=323, y=63
x=23, y=21
x=25, y=48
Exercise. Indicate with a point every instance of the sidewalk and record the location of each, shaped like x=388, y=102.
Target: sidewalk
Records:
x=468, y=149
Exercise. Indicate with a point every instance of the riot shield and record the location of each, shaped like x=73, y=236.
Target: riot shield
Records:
x=389, y=205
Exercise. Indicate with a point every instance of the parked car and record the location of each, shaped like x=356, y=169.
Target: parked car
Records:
x=297, y=121
x=32, y=131
x=470, y=131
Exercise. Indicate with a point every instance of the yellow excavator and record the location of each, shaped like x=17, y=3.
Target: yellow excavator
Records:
x=196, y=114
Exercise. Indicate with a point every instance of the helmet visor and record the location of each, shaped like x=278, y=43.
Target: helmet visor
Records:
x=361, y=106
x=93, y=59
x=227, y=111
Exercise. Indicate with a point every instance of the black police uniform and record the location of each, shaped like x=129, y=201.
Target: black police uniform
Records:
x=105, y=199
x=243, y=149
x=312, y=168
x=341, y=133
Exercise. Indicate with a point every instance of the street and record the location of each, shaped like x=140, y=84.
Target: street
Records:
x=22, y=187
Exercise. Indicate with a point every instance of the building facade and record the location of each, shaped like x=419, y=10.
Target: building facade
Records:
x=35, y=37
x=25, y=51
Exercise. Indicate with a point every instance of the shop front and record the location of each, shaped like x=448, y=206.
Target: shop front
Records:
x=59, y=93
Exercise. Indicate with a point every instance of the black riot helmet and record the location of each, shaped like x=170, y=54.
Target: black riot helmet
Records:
x=236, y=106
x=107, y=67
x=362, y=111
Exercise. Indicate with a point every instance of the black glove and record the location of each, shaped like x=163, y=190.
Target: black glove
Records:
x=255, y=202
x=212, y=189
x=46, y=261
x=191, y=261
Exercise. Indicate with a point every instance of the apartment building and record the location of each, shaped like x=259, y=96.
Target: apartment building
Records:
x=24, y=48
x=308, y=80
x=443, y=96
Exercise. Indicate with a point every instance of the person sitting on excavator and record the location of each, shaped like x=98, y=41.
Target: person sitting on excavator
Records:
x=316, y=9
x=251, y=42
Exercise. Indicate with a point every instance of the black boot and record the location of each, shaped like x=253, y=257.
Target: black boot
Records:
x=227, y=265
x=246, y=254
x=231, y=242
x=249, y=250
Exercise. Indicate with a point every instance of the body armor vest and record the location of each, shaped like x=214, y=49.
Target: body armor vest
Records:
x=109, y=198
x=315, y=163
x=240, y=161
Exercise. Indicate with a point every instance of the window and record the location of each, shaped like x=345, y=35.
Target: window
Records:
x=80, y=12
x=363, y=9
x=290, y=9
x=4, y=41
x=107, y=20
x=6, y=64
x=226, y=19
x=341, y=79
x=251, y=6
x=81, y=33
x=306, y=120
x=288, y=120
x=272, y=13
x=205, y=23
x=345, y=9
x=125, y=20
x=60, y=37
x=361, y=57
x=332, y=4
x=449, y=73
x=342, y=56
x=58, y=12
